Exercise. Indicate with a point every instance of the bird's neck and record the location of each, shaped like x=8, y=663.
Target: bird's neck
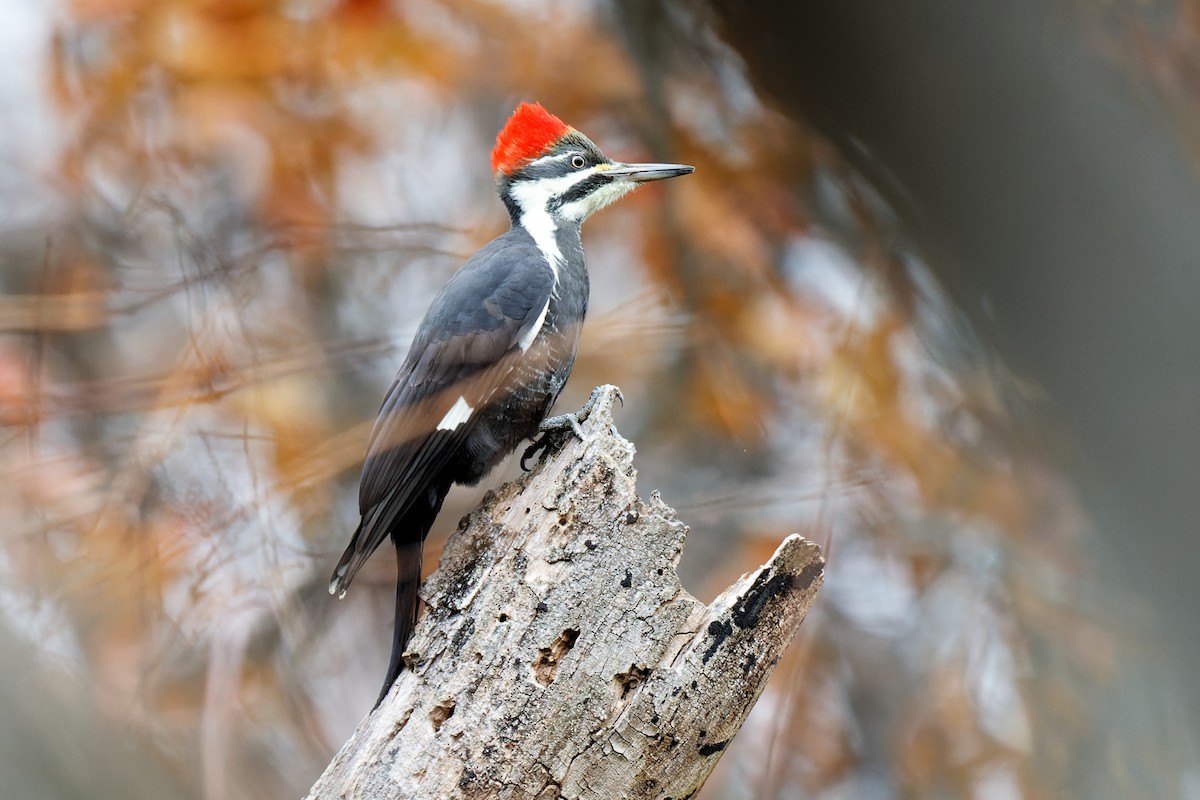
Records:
x=556, y=236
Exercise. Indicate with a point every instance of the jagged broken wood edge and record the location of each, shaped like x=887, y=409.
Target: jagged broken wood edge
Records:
x=559, y=655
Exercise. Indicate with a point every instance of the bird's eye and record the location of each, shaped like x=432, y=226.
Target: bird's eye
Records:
x=578, y=161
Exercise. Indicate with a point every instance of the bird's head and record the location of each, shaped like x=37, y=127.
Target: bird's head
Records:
x=545, y=167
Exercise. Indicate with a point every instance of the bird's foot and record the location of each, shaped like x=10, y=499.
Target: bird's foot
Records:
x=555, y=432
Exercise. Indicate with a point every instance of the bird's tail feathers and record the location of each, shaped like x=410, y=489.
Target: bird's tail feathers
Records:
x=409, y=536
x=348, y=565
x=408, y=582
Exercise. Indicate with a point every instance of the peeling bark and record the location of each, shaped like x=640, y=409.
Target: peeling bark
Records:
x=559, y=656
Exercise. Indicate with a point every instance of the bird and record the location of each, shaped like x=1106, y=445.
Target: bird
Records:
x=493, y=352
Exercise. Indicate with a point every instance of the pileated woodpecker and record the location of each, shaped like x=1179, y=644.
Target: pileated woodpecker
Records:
x=493, y=352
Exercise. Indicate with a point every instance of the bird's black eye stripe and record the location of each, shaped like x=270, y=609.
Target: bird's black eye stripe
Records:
x=580, y=190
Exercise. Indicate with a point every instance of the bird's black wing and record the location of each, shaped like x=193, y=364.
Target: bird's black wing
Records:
x=465, y=349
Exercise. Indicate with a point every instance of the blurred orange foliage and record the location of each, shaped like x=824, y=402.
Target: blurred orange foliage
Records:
x=191, y=373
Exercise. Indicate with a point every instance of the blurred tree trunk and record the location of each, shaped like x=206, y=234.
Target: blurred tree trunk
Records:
x=1060, y=211
x=561, y=657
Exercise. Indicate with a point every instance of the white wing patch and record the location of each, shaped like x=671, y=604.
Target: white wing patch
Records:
x=536, y=328
x=459, y=413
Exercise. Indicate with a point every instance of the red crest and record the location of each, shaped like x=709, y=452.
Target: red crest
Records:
x=530, y=131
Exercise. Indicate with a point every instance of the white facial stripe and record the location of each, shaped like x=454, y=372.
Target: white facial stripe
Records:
x=532, y=197
x=535, y=194
x=459, y=413
x=549, y=158
x=532, y=333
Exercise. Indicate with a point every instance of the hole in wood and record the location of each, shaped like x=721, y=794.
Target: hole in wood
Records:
x=626, y=682
x=442, y=712
x=546, y=665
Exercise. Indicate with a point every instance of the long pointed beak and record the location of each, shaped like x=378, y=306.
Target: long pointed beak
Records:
x=640, y=173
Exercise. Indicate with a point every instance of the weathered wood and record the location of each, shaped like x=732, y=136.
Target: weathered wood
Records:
x=560, y=656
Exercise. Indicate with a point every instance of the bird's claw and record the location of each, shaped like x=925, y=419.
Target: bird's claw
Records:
x=552, y=436
x=540, y=447
x=553, y=432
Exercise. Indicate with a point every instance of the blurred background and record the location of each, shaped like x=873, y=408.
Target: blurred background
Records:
x=929, y=299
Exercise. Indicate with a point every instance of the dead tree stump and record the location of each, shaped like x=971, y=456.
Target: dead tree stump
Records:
x=559, y=655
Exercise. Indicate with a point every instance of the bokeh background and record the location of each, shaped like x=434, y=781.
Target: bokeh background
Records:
x=929, y=299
